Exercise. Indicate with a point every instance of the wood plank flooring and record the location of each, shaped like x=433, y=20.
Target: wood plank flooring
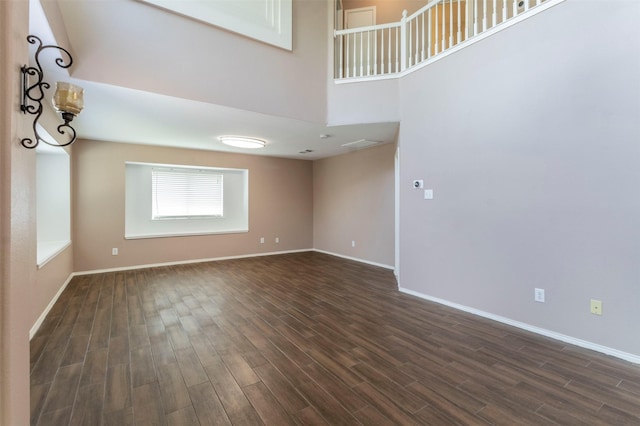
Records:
x=302, y=339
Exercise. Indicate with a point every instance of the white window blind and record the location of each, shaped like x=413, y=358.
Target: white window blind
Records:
x=186, y=193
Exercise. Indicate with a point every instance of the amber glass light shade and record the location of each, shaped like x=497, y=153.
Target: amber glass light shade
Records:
x=68, y=98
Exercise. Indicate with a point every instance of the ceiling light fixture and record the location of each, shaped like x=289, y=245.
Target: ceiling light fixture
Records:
x=67, y=100
x=242, y=142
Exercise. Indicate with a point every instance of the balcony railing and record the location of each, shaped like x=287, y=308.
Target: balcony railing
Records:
x=438, y=28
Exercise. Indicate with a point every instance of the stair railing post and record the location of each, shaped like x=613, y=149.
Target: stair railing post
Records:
x=403, y=41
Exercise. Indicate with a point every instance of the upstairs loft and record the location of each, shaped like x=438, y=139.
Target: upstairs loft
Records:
x=441, y=27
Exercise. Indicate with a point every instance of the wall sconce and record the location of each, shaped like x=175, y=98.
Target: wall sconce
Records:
x=67, y=99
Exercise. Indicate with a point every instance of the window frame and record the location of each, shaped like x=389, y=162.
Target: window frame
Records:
x=138, y=204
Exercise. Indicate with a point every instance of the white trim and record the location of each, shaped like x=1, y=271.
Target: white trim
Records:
x=381, y=265
x=470, y=41
x=41, y=318
x=185, y=262
x=139, y=222
x=184, y=166
x=182, y=234
x=267, y=21
x=524, y=326
x=53, y=250
x=396, y=270
x=215, y=259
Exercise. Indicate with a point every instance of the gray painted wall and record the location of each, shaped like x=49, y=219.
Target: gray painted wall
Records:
x=531, y=142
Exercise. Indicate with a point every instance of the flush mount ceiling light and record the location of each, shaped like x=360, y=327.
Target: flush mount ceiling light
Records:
x=242, y=142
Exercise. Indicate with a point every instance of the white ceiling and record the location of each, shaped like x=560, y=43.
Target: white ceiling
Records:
x=119, y=114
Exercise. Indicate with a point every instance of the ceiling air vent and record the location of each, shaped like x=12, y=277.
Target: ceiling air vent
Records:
x=362, y=143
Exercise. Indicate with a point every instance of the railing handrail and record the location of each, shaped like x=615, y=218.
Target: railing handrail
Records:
x=367, y=28
x=423, y=9
x=420, y=11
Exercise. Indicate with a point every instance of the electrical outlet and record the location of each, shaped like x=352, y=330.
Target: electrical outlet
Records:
x=353, y=243
x=538, y=295
x=114, y=251
x=277, y=240
x=596, y=307
x=261, y=240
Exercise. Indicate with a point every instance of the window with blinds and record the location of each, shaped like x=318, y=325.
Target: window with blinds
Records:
x=169, y=200
x=186, y=193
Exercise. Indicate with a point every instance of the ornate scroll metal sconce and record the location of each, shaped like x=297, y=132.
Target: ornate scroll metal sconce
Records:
x=67, y=99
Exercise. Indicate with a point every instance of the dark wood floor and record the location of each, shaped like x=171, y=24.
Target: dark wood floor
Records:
x=302, y=339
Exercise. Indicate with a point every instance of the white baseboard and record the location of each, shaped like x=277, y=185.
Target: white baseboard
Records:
x=185, y=262
x=381, y=265
x=524, y=326
x=38, y=323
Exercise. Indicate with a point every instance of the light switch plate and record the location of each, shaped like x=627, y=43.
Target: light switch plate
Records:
x=428, y=194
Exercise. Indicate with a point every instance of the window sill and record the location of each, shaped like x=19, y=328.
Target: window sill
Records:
x=182, y=234
x=47, y=250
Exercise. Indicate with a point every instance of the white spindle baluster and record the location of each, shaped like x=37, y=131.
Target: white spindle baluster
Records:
x=361, y=55
x=354, y=60
x=515, y=8
x=459, y=33
x=444, y=34
x=494, y=15
x=375, y=52
x=475, y=17
x=405, y=39
x=341, y=41
x=484, y=15
x=355, y=55
x=436, y=33
x=398, y=36
x=423, y=31
x=389, y=68
x=526, y=5
x=466, y=19
x=346, y=55
x=410, y=38
x=450, y=23
x=429, y=35
x=417, y=61
x=367, y=65
x=382, y=58
x=504, y=10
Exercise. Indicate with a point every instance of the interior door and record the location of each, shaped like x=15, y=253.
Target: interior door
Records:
x=360, y=17
x=358, y=64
